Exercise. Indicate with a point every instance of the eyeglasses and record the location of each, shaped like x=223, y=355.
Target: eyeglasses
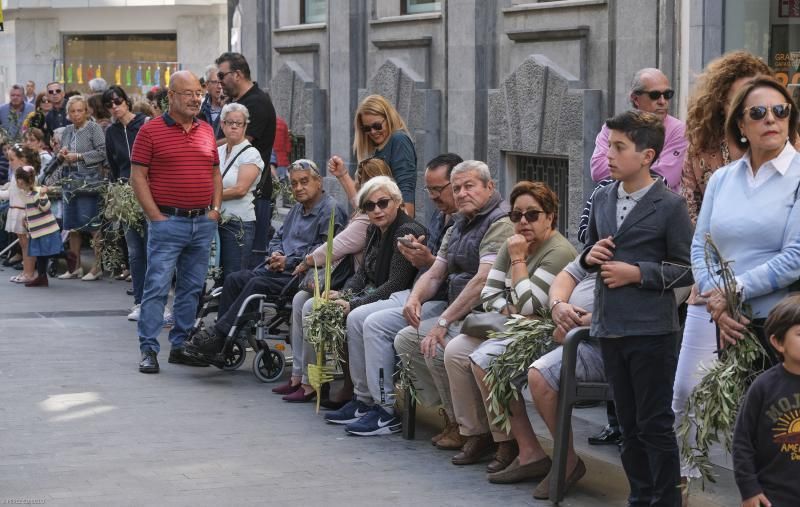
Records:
x=54, y=92
x=369, y=206
x=212, y=82
x=231, y=123
x=45, y=101
x=531, y=215
x=221, y=75
x=116, y=101
x=656, y=94
x=436, y=191
x=189, y=94
x=779, y=111
x=377, y=127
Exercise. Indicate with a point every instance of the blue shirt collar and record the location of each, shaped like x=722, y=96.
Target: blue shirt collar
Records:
x=171, y=122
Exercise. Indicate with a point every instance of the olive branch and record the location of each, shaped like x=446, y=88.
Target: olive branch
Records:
x=532, y=338
x=714, y=402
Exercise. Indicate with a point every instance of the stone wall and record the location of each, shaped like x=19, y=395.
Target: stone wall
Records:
x=537, y=111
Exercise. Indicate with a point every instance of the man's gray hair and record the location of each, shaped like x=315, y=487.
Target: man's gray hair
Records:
x=98, y=85
x=211, y=69
x=473, y=165
x=376, y=183
x=18, y=87
x=233, y=107
x=636, y=83
x=304, y=164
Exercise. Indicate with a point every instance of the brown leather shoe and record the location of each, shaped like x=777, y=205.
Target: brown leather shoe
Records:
x=506, y=452
x=515, y=472
x=542, y=491
x=475, y=449
x=452, y=439
x=39, y=281
x=445, y=431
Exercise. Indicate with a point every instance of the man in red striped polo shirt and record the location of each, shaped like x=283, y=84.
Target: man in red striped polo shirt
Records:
x=175, y=175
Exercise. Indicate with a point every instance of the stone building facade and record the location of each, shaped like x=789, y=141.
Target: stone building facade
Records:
x=524, y=86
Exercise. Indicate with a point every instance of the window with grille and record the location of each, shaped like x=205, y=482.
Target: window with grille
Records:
x=313, y=11
x=554, y=171
x=298, y=147
x=419, y=6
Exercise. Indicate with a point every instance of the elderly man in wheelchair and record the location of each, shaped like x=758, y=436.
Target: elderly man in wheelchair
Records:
x=305, y=228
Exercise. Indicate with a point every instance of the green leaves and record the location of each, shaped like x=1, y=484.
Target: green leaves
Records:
x=714, y=403
x=532, y=339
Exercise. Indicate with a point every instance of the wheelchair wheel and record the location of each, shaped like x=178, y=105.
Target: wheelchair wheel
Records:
x=268, y=365
x=236, y=356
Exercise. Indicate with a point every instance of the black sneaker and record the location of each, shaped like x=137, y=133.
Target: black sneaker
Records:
x=206, y=342
x=149, y=362
x=608, y=436
x=177, y=356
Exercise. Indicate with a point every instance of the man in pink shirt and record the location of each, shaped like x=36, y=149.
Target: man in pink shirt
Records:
x=650, y=92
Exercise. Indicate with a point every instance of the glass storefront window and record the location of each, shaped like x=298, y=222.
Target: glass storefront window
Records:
x=137, y=62
x=315, y=11
x=417, y=6
x=769, y=29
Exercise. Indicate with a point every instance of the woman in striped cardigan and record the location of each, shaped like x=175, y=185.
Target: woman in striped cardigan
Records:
x=45, y=236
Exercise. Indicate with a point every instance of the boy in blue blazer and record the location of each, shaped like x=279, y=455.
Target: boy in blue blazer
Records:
x=639, y=240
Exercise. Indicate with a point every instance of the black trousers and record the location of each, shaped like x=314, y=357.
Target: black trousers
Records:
x=641, y=371
x=242, y=284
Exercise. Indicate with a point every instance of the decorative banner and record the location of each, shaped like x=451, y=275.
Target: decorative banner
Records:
x=166, y=76
x=789, y=8
x=1, y=16
x=118, y=76
x=157, y=78
x=147, y=76
x=69, y=74
x=80, y=73
x=128, y=76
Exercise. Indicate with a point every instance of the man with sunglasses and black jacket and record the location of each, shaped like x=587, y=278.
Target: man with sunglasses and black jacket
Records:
x=650, y=92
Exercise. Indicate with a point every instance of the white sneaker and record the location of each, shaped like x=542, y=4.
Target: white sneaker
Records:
x=169, y=319
x=136, y=310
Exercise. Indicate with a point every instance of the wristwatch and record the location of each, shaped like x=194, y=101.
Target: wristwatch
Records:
x=217, y=209
x=442, y=322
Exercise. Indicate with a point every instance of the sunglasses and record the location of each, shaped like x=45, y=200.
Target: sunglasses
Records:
x=656, y=94
x=54, y=92
x=45, y=101
x=530, y=215
x=221, y=75
x=779, y=111
x=377, y=127
x=116, y=101
x=369, y=206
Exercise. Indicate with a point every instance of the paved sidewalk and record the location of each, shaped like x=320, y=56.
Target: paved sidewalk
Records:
x=80, y=426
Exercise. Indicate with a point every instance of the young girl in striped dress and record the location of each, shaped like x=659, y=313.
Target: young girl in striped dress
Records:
x=45, y=236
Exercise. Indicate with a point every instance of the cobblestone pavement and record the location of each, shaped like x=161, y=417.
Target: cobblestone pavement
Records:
x=80, y=426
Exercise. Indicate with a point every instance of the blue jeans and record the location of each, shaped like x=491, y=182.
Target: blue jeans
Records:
x=185, y=244
x=137, y=259
x=235, y=251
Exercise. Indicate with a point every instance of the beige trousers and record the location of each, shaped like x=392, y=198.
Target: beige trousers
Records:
x=430, y=376
x=469, y=394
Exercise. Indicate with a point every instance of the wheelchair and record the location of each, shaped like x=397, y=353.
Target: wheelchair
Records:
x=263, y=329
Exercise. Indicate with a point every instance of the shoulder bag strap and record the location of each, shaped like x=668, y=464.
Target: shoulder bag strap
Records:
x=230, y=164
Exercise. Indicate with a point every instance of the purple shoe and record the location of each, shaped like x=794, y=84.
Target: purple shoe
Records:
x=286, y=388
x=300, y=396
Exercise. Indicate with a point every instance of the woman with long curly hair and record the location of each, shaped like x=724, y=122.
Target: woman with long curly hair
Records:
x=380, y=132
x=709, y=149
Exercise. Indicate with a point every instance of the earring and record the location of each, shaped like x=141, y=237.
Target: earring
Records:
x=743, y=140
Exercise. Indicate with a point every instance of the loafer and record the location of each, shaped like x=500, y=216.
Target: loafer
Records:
x=542, y=491
x=286, y=388
x=300, y=396
x=506, y=452
x=176, y=356
x=69, y=275
x=515, y=472
x=475, y=449
x=91, y=276
x=149, y=362
x=608, y=436
x=39, y=281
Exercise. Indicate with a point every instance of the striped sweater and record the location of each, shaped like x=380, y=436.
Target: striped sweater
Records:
x=530, y=294
x=39, y=220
